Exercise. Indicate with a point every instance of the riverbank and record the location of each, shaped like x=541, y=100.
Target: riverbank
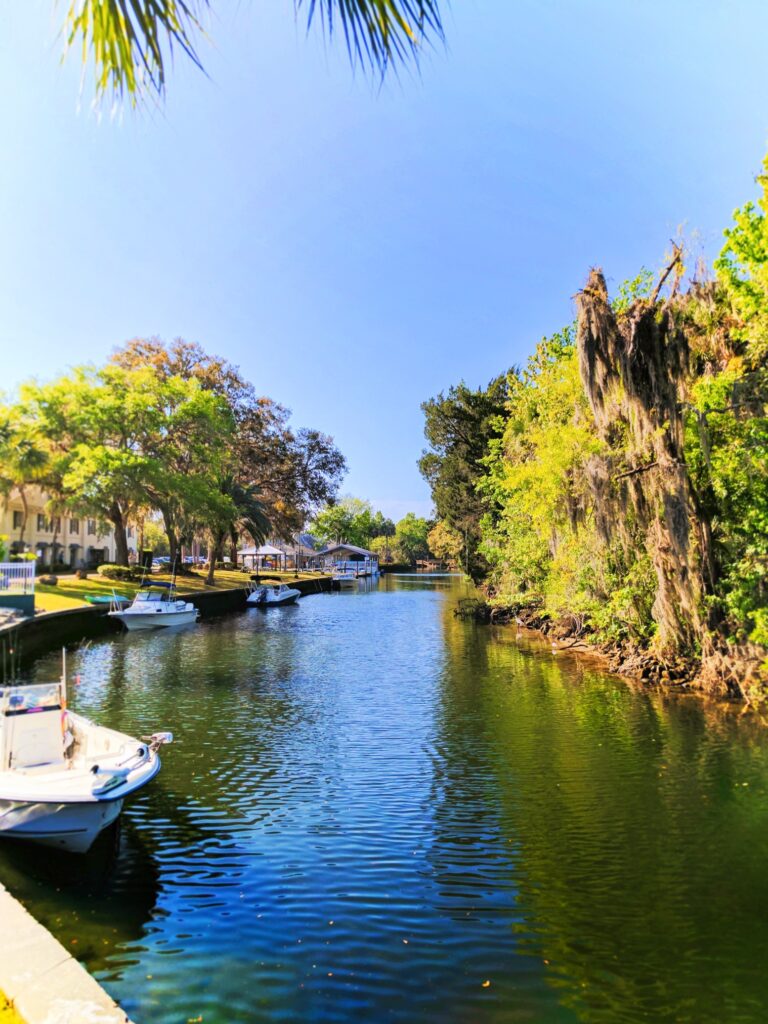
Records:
x=82, y=621
x=717, y=674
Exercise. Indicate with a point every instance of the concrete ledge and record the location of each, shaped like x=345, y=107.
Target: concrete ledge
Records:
x=45, y=982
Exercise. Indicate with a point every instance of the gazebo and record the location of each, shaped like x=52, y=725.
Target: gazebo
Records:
x=258, y=556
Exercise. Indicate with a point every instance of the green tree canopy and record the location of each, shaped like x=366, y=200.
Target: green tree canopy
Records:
x=459, y=427
x=125, y=438
x=347, y=521
x=293, y=471
x=411, y=533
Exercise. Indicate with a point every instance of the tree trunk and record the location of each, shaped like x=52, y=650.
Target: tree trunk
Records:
x=121, y=539
x=215, y=546
x=55, y=520
x=172, y=535
x=24, y=517
x=173, y=546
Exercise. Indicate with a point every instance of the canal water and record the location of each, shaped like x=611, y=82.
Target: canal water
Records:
x=374, y=811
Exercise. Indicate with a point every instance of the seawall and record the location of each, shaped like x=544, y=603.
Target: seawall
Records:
x=45, y=632
x=43, y=981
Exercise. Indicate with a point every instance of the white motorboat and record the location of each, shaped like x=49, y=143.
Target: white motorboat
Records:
x=267, y=597
x=63, y=779
x=344, y=578
x=154, y=607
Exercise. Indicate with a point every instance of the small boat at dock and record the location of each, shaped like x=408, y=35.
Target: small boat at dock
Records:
x=154, y=607
x=63, y=779
x=268, y=597
x=344, y=578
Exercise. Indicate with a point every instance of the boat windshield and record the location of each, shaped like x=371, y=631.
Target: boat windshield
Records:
x=152, y=595
x=17, y=699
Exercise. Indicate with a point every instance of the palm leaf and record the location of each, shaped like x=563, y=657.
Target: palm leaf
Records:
x=129, y=41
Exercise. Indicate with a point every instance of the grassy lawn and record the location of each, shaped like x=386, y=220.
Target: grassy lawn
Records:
x=70, y=591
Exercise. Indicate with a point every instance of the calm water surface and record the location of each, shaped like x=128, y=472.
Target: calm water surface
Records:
x=374, y=811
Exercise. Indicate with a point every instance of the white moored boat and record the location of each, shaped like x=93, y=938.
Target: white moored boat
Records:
x=63, y=779
x=156, y=606
x=266, y=597
x=344, y=578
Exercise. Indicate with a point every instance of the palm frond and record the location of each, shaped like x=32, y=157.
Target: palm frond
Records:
x=129, y=41
x=378, y=33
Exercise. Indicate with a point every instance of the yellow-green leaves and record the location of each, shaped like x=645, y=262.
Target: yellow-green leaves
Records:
x=129, y=42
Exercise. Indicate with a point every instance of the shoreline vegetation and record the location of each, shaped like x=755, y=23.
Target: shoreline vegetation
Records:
x=613, y=493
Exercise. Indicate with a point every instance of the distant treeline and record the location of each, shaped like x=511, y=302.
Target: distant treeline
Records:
x=619, y=481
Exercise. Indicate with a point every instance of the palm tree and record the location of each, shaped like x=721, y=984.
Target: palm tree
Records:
x=130, y=40
x=249, y=517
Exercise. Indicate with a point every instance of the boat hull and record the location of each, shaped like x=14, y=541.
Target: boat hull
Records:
x=73, y=826
x=259, y=600
x=157, y=620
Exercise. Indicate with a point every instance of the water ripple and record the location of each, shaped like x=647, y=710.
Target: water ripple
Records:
x=374, y=811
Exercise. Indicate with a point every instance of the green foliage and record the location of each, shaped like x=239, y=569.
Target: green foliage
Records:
x=742, y=267
x=293, y=472
x=639, y=287
x=459, y=427
x=411, y=534
x=123, y=439
x=167, y=432
x=543, y=491
x=543, y=545
x=155, y=539
x=726, y=424
x=445, y=543
x=541, y=537
x=350, y=521
x=534, y=478
x=405, y=543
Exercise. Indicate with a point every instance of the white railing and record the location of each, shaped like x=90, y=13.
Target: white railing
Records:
x=17, y=577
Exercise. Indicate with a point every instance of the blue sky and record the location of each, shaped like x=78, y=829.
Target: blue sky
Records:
x=355, y=249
